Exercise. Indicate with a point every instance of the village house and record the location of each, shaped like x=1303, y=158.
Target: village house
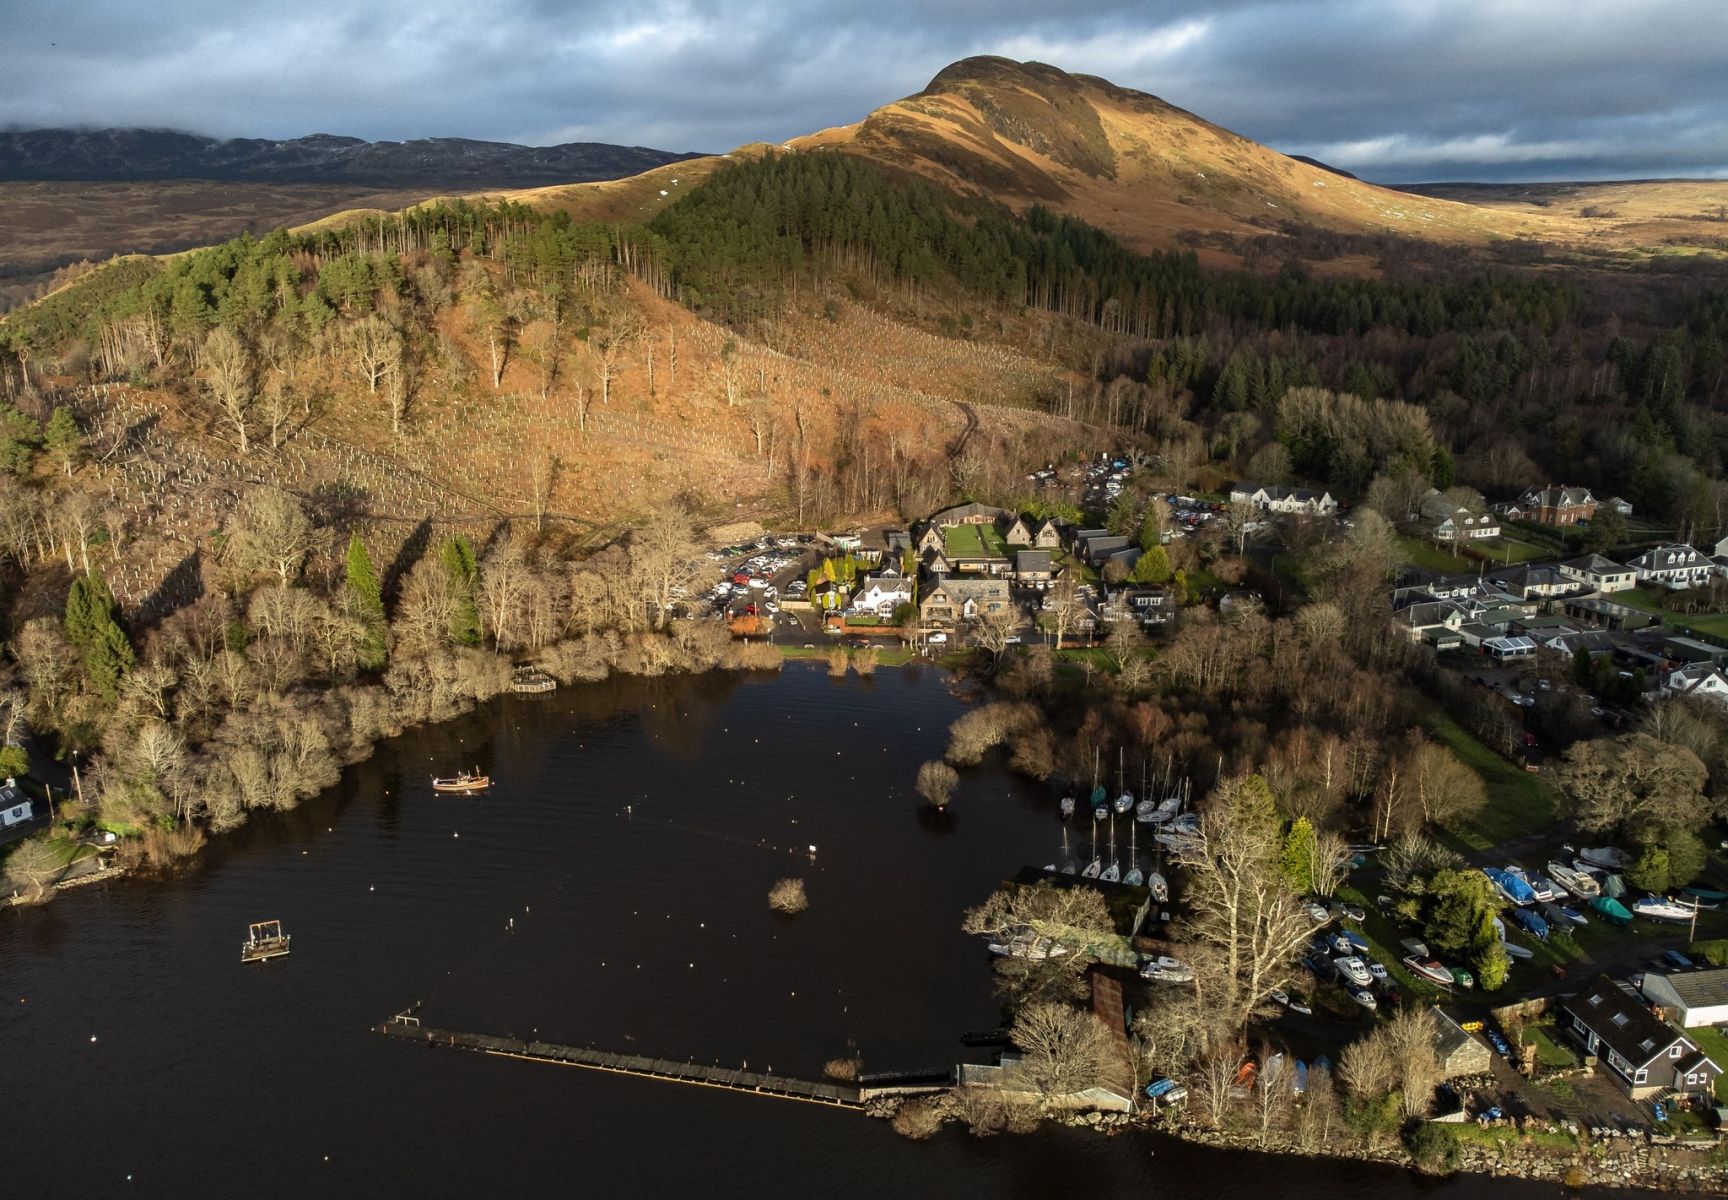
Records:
x=1277, y=499
x=1594, y=642
x=1433, y=621
x=1448, y=522
x=1146, y=606
x=969, y=514
x=1096, y=546
x=1599, y=574
x=1048, y=535
x=930, y=538
x=15, y=807
x=882, y=594
x=1554, y=505
x=1697, y=679
x=1015, y=532
x=1033, y=568
x=1533, y=581
x=1692, y=998
x=1645, y=1054
x=1675, y=566
x=950, y=601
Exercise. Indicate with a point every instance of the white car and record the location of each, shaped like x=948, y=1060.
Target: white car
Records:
x=936, y=639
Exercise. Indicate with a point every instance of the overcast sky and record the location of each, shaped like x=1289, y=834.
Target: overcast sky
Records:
x=1395, y=90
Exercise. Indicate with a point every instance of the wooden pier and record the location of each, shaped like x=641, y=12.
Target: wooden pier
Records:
x=408, y=1028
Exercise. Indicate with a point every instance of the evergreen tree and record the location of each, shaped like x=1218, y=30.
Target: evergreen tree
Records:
x=1153, y=567
x=65, y=442
x=93, y=627
x=366, y=605
x=457, y=554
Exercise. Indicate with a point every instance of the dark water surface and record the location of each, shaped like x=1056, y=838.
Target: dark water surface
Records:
x=610, y=890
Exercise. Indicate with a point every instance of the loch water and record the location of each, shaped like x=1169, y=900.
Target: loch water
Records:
x=610, y=890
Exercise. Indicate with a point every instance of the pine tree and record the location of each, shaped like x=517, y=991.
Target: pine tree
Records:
x=366, y=605
x=93, y=626
x=1153, y=567
x=457, y=554
x=65, y=442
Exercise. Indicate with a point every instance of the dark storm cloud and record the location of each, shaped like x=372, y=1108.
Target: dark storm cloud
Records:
x=1392, y=89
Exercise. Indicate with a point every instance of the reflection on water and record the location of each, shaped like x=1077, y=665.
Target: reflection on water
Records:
x=611, y=890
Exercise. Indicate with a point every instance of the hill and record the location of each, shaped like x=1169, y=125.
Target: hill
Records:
x=138, y=154
x=1129, y=162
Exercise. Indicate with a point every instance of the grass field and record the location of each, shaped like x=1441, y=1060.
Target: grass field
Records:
x=1511, y=551
x=1715, y=624
x=973, y=541
x=1430, y=557
x=1519, y=802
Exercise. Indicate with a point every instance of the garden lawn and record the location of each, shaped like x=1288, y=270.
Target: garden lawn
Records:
x=1507, y=550
x=1549, y=1052
x=1715, y=624
x=1430, y=557
x=973, y=541
x=1519, y=801
x=1714, y=1043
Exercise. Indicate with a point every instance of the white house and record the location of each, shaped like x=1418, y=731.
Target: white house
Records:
x=882, y=594
x=1697, y=679
x=1692, y=998
x=1677, y=566
x=1448, y=522
x=15, y=806
x=1274, y=498
x=1602, y=574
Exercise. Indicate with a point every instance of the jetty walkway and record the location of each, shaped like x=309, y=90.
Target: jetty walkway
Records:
x=835, y=1095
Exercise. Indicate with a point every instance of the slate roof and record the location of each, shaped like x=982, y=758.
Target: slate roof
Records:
x=1622, y=1022
x=1700, y=989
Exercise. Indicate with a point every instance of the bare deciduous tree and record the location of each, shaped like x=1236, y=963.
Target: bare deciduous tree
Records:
x=227, y=371
x=1062, y=1048
x=269, y=531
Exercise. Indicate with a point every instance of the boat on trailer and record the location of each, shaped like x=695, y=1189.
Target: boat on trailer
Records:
x=464, y=781
x=264, y=939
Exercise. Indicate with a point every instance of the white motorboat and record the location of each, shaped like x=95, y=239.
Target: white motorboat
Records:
x=1429, y=969
x=1164, y=969
x=1124, y=802
x=1581, y=884
x=1606, y=858
x=1661, y=908
x=1365, y=998
x=1353, y=969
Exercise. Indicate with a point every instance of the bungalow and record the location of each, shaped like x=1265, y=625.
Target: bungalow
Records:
x=1693, y=998
x=1449, y=522
x=1434, y=621
x=1533, y=581
x=1277, y=499
x=1601, y=574
x=1647, y=1055
x=15, y=806
x=1676, y=566
x=1033, y=567
x=969, y=514
x=1592, y=641
x=1555, y=505
x=950, y=601
x=1697, y=679
x=882, y=594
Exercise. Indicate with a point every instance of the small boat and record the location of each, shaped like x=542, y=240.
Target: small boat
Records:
x=1111, y=873
x=1514, y=950
x=1703, y=897
x=1246, y=1074
x=1581, y=884
x=1092, y=869
x=1352, y=968
x=1462, y=978
x=1661, y=908
x=1159, y=887
x=1124, y=802
x=1164, y=969
x=1299, y=1081
x=1572, y=916
x=1531, y=923
x=1099, y=813
x=465, y=781
x=1429, y=969
x=1156, y=812
x=1608, y=858
x=1510, y=886
x=1365, y=998
x=1613, y=886
x=264, y=939
x=1611, y=910
x=1134, y=877
x=1541, y=887
x=1067, y=806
